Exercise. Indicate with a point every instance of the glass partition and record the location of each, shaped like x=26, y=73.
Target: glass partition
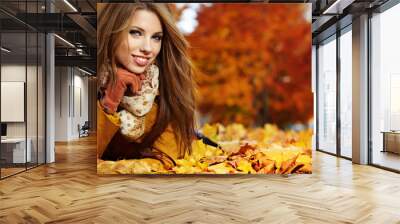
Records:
x=22, y=88
x=327, y=95
x=13, y=103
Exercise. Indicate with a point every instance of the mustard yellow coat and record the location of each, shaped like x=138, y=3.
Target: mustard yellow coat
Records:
x=108, y=126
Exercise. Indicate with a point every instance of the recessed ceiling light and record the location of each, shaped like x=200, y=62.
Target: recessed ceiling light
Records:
x=5, y=50
x=337, y=7
x=84, y=71
x=64, y=40
x=70, y=5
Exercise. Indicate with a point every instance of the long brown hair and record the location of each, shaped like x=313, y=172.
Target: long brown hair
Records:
x=176, y=103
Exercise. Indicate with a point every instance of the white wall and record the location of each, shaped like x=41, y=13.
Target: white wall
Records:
x=61, y=103
x=80, y=110
x=71, y=94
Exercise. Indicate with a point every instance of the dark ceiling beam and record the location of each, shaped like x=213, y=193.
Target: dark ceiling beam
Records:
x=331, y=28
x=57, y=22
x=82, y=61
x=87, y=51
x=16, y=18
x=11, y=25
x=327, y=17
x=320, y=23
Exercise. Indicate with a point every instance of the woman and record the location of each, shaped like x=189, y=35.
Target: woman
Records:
x=131, y=39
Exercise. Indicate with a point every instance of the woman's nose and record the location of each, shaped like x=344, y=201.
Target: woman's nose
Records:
x=146, y=46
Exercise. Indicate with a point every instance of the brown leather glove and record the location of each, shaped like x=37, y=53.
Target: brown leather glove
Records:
x=126, y=83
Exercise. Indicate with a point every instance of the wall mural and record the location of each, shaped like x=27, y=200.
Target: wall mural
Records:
x=204, y=88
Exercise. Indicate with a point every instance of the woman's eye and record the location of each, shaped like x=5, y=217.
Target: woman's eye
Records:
x=157, y=38
x=135, y=32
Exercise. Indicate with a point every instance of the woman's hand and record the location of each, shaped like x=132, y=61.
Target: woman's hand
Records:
x=126, y=82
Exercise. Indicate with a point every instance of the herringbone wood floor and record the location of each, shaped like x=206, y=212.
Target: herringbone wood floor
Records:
x=70, y=191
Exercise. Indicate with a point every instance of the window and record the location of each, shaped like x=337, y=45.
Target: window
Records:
x=385, y=88
x=346, y=93
x=327, y=96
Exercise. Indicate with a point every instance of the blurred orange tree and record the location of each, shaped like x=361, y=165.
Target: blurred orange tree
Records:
x=254, y=63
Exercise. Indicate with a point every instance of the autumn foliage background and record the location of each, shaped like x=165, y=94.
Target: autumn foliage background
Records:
x=253, y=63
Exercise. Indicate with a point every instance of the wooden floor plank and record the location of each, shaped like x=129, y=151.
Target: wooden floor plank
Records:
x=70, y=191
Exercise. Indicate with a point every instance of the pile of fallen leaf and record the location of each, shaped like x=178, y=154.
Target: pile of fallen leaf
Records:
x=264, y=150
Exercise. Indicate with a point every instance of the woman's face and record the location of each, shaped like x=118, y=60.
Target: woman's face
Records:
x=141, y=45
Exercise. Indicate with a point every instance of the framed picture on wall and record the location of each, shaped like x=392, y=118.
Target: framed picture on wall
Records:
x=12, y=101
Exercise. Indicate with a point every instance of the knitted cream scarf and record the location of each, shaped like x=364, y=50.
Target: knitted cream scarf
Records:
x=136, y=107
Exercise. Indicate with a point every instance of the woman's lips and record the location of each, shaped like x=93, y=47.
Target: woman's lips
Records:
x=141, y=61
